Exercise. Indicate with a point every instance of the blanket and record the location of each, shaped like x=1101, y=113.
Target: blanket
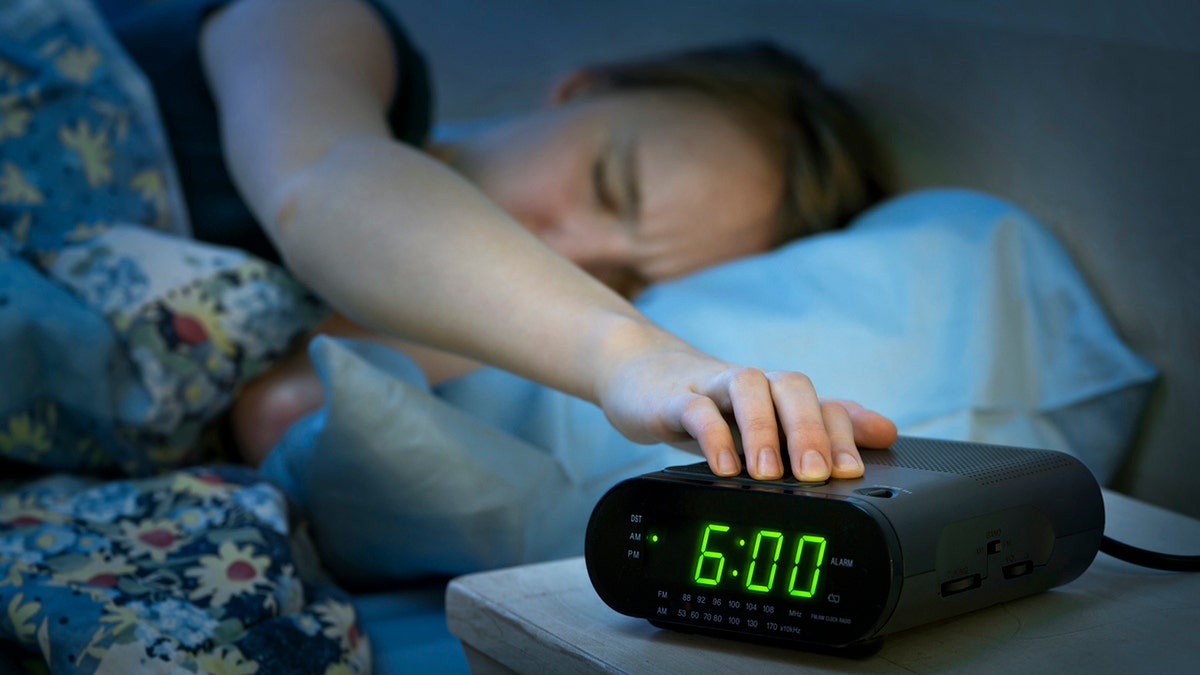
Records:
x=200, y=570
x=121, y=340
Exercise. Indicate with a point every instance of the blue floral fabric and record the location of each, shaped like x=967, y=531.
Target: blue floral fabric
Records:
x=197, y=571
x=92, y=223
x=122, y=340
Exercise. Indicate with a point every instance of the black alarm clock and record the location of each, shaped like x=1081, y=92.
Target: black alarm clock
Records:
x=933, y=529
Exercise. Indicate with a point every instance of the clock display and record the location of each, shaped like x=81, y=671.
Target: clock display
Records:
x=730, y=556
x=760, y=561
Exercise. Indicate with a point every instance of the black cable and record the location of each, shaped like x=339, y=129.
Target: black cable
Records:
x=1140, y=556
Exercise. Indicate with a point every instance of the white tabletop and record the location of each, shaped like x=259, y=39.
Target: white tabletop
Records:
x=1116, y=617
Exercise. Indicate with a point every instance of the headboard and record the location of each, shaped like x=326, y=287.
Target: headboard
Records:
x=1084, y=114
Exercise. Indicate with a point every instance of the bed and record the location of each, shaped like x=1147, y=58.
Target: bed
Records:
x=1017, y=292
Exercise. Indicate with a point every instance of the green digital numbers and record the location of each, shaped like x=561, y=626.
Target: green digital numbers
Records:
x=761, y=560
x=776, y=547
x=808, y=583
x=706, y=556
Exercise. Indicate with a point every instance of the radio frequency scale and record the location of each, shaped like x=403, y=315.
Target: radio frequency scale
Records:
x=933, y=529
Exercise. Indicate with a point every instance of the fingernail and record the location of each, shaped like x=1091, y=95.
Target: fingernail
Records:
x=813, y=466
x=847, y=462
x=767, y=465
x=727, y=464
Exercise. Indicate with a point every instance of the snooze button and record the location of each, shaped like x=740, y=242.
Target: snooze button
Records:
x=877, y=491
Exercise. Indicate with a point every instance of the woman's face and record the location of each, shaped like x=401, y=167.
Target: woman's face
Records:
x=635, y=187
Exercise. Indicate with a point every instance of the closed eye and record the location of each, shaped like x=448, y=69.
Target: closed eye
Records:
x=600, y=185
x=621, y=198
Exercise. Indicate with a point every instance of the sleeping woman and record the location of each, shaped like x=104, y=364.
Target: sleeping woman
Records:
x=631, y=175
x=299, y=135
x=299, y=130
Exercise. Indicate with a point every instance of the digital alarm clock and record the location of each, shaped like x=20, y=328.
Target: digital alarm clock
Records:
x=933, y=529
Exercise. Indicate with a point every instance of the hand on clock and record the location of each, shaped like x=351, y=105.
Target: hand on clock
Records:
x=690, y=399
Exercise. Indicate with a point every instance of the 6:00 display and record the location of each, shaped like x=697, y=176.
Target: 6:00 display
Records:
x=802, y=569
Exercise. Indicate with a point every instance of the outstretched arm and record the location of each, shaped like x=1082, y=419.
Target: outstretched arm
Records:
x=404, y=246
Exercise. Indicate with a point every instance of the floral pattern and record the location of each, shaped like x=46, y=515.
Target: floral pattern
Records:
x=90, y=205
x=195, y=571
x=121, y=341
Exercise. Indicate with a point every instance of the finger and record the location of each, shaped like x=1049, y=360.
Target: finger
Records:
x=803, y=425
x=846, y=461
x=702, y=420
x=871, y=429
x=754, y=411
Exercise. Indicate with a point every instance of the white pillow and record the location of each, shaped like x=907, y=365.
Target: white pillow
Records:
x=953, y=312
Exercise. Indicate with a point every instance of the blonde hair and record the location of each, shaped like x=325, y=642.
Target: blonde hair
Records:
x=834, y=166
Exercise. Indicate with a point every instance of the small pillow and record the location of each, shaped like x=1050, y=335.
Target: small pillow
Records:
x=399, y=485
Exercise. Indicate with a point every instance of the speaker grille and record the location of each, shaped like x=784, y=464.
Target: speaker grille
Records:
x=986, y=464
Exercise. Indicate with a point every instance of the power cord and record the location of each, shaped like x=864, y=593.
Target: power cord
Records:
x=1153, y=559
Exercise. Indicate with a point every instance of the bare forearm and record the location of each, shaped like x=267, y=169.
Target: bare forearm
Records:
x=402, y=245
x=373, y=226
x=387, y=235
